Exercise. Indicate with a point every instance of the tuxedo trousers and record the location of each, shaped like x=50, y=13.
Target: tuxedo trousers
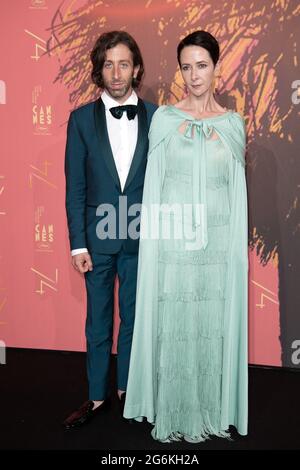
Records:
x=99, y=321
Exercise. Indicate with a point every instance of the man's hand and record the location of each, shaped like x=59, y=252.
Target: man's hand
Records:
x=82, y=262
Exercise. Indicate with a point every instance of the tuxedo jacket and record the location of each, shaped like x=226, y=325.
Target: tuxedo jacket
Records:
x=92, y=178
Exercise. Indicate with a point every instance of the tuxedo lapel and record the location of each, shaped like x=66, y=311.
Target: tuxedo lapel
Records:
x=142, y=142
x=104, y=144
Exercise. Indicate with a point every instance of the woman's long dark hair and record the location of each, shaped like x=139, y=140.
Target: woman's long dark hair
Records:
x=108, y=41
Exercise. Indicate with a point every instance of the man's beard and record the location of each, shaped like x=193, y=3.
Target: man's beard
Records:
x=118, y=92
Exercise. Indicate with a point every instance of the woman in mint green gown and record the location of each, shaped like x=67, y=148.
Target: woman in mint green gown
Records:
x=188, y=367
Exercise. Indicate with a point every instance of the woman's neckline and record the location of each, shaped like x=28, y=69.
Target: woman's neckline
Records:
x=219, y=116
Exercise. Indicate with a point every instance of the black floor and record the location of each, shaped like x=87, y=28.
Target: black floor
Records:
x=39, y=388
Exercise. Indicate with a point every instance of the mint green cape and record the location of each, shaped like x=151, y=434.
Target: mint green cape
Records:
x=142, y=382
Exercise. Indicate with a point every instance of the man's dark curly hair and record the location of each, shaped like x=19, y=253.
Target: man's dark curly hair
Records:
x=108, y=41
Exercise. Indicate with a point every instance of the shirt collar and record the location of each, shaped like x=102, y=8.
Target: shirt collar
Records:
x=109, y=102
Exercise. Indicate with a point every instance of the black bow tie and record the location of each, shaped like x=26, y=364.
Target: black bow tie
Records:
x=130, y=109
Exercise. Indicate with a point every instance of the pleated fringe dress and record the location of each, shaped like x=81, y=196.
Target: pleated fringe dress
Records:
x=184, y=375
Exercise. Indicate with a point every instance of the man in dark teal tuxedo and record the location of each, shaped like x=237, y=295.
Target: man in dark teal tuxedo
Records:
x=106, y=155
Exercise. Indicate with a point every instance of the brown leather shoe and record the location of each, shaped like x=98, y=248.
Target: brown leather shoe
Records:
x=84, y=414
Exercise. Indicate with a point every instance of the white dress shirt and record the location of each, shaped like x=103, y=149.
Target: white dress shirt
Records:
x=122, y=135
